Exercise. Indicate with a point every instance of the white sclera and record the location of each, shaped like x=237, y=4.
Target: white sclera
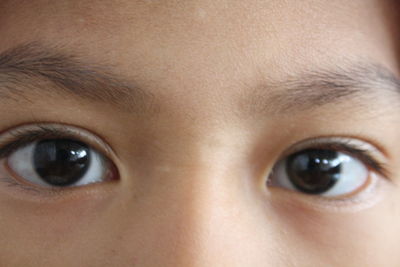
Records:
x=353, y=176
x=21, y=163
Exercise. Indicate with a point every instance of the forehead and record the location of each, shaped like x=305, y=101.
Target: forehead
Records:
x=209, y=45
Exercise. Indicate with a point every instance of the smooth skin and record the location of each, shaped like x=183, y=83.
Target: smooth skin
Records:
x=192, y=170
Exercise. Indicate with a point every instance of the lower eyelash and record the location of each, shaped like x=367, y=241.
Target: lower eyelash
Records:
x=13, y=183
x=35, y=191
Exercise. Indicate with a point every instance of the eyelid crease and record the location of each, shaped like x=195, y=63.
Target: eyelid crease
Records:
x=361, y=154
x=356, y=148
x=16, y=138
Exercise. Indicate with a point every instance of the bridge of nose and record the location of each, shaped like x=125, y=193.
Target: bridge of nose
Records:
x=206, y=214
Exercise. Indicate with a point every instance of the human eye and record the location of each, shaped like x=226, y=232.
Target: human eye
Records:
x=329, y=167
x=54, y=157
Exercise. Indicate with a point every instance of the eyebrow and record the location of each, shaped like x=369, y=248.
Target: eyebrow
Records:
x=24, y=68
x=358, y=82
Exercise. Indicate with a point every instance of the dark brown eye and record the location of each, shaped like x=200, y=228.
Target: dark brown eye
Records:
x=60, y=163
x=320, y=172
x=315, y=171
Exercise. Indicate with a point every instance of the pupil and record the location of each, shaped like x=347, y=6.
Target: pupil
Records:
x=314, y=171
x=61, y=162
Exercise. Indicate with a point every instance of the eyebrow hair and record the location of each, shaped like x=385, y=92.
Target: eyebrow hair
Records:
x=24, y=68
x=315, y=88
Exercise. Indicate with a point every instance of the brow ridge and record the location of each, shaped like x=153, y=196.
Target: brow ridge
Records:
x=312, y=89
x=30, y=64
x=25, y=67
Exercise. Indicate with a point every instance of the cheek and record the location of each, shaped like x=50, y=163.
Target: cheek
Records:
x=363, y=238
x=36, y=231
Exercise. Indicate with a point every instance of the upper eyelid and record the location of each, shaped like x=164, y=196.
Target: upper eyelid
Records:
x=366, y=152
x=38, y=131
x=323, y=141
x=66, y=130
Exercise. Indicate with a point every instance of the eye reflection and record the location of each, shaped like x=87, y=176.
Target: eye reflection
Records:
x=315, y=171
x=61, y=162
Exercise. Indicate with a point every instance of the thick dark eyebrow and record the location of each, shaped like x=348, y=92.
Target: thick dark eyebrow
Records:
x=25, y=68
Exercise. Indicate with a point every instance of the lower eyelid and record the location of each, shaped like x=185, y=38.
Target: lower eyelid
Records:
x=29, y=192
x=12, y=189
x=371, y=195
x=12, y=179
x=14, y=182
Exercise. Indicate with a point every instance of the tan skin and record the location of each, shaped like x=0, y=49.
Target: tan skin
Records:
x=192, y=174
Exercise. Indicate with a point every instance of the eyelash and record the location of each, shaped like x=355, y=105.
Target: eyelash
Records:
x=345, y=145
x=18, y=138
x=21, y=137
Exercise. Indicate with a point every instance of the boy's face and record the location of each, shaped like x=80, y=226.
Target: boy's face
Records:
x=215, y=94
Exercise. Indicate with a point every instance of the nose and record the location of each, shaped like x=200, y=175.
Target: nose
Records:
x=210, y=214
